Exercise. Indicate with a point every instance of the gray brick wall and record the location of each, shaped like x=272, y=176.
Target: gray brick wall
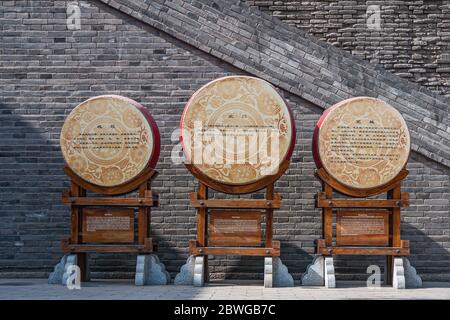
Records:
x=45, y=70
x=414, y=40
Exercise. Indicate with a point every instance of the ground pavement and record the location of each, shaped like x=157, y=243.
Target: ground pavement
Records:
x=237, y=290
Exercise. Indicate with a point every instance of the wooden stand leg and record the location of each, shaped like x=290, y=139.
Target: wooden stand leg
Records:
x=388, y=271
x=328, y=218
x=82, y=259
x=269, y=217
x=248, y=245
x=142, y=217
x=77, y=225
x=77, y=247
x=206, y=266
x=392, y=247
x=202, y=223
x=394, y=232
x=75, y=215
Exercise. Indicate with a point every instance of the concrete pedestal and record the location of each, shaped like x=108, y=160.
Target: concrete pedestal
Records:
x=276, y=274
x=150, y=271
x=320, y=273
x=193, y=272
x=63, y=270
x=405, y=275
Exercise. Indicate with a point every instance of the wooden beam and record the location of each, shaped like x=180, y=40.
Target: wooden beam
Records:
x=68, y=247
x=124, y=202
x=236, y=203
x=274, y=251
x=323, y=202
x=402, y=250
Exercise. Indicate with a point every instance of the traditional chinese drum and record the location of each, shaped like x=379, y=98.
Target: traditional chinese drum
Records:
x=361, y=142
x=109, y=140
x=237, y=130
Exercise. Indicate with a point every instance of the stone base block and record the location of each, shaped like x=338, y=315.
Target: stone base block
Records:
x=398, y=278
x=192, y=272
x=276, y=274
x=62, y=270
x=412, y=279
x=320, y=273
x=199, y=271
x=330, y=279
x=405, y=275
x=314, y=275
x=56, y=276
x=150, y=271
x=268, y=272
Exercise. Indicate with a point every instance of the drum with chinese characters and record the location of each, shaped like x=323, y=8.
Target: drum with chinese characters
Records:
x=109, y=140
x=237, y=130
x=362, y=142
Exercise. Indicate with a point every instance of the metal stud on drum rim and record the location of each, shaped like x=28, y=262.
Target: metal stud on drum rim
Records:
x=110, y=140
x=361, y=142
x=239, y=108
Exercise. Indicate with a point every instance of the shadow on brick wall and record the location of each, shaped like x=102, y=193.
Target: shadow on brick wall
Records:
x=32, y=218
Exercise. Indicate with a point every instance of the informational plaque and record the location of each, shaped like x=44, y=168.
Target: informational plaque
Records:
x=109, y=140
x=234, y=228
x=362, y=142
x=237, y=130
x=362, y=228
x=108, y=225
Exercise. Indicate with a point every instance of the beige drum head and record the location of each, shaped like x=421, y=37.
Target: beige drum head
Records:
x=109, y=140
x=361, y=142
x=237, y=130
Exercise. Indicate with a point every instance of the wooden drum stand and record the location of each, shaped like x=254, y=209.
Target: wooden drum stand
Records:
x=240, y=242
x=106, y=224
x=226, y=115
x=361, y=147
x=381, y=214
x=84, y=239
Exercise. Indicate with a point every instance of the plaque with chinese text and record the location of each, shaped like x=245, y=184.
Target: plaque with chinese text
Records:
x=235, y=228
x=108, y=225
x=362, y=228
